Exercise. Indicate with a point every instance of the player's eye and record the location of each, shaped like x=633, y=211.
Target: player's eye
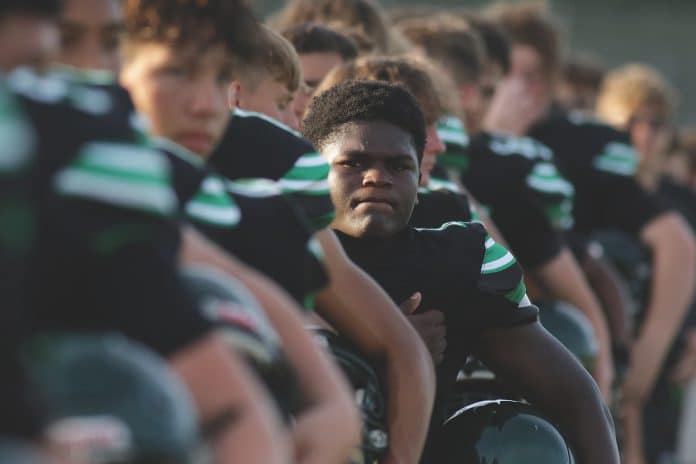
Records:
x=70, y=36
x=349, y=163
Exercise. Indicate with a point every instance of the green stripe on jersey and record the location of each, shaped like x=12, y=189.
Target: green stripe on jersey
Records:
x=617, y=158
x=452, y=131
x=518, y=295
x=16, y=137
x=122, y=174
x=496, y=258
x=546, y=179
x=309, y=176
x=457, y=161
x=213, y=205
x=443, y=184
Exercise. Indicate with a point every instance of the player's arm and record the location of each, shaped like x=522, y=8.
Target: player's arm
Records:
x=562, y=277
x=534, y=362
x=672, y=286
x=520, y=351
x=614, y=296
x=361, y=311
x=329, y=403
x=113, y=237
x=234, y=412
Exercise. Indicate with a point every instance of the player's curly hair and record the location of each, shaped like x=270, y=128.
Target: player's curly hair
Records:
x=354, y=101
x=423, y=79
x=202, y=22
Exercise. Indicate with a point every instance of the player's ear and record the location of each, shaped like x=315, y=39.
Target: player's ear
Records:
x=233, y=95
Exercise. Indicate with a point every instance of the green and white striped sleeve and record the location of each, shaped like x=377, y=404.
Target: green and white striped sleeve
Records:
x=16, y=137
x=554, y=193
x=120, y=174
x=453, y=134
x=617, y=158
x=213, y=205
x=307, y=183
x=500, y=274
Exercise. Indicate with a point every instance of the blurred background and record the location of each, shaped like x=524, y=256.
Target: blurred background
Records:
x=660, y=33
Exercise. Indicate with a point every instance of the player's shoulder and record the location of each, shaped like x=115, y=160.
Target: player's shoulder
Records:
x=455, y=234
x=262, y=125
x=512, y=147
x=64, y=91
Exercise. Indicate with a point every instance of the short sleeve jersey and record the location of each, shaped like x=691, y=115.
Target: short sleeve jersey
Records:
x=21, y=414
x=600, y=163
x=257, y=146
x=460, y=270
x=517, y=181
x=105, y=226
x=252, y=220
x=439, y=203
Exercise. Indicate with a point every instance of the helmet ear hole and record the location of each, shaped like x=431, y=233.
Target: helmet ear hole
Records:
x=501, y=432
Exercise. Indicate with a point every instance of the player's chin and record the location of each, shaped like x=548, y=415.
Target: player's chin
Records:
x=378, y=225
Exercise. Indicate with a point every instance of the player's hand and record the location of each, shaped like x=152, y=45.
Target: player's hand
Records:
x=632, y=446
x=430, y=325
x=515, y=107
x=313, y=445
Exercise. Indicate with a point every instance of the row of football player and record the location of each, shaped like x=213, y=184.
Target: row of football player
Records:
x=534, y=173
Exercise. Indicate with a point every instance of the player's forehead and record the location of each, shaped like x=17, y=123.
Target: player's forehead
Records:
x=92, y=13
x=378, y=139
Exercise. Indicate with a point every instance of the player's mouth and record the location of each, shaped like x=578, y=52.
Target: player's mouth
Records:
x=372, y=203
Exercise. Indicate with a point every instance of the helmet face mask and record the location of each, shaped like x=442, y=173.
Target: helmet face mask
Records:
x=502, y=432
x=369, y=397
x=243, y=324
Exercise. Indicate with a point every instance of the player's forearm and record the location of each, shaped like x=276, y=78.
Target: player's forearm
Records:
x=242, y=423
x=613, y=295
x=360, y=310
x=319, y=379
x=674, y=273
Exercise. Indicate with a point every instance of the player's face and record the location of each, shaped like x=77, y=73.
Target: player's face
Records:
x=373, y=178
x=90, y=31
x=526, y=64
x=271, y=98
x=433, y=147
x=27, y=40
x=315, y=66
x=649, y=131
x=492, y=74
x=183, y=93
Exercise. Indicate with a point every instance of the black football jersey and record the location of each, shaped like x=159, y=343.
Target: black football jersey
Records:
x=458, y=269
x=257, y=146
x=438, y=205
x=600, y=163
x=516, y=180
x=253, y=220
x=103, y=257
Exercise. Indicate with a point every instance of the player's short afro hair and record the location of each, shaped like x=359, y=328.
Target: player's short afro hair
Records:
x=354, y=101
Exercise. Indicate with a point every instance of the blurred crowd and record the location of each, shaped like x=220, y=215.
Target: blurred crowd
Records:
x=346, y=234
